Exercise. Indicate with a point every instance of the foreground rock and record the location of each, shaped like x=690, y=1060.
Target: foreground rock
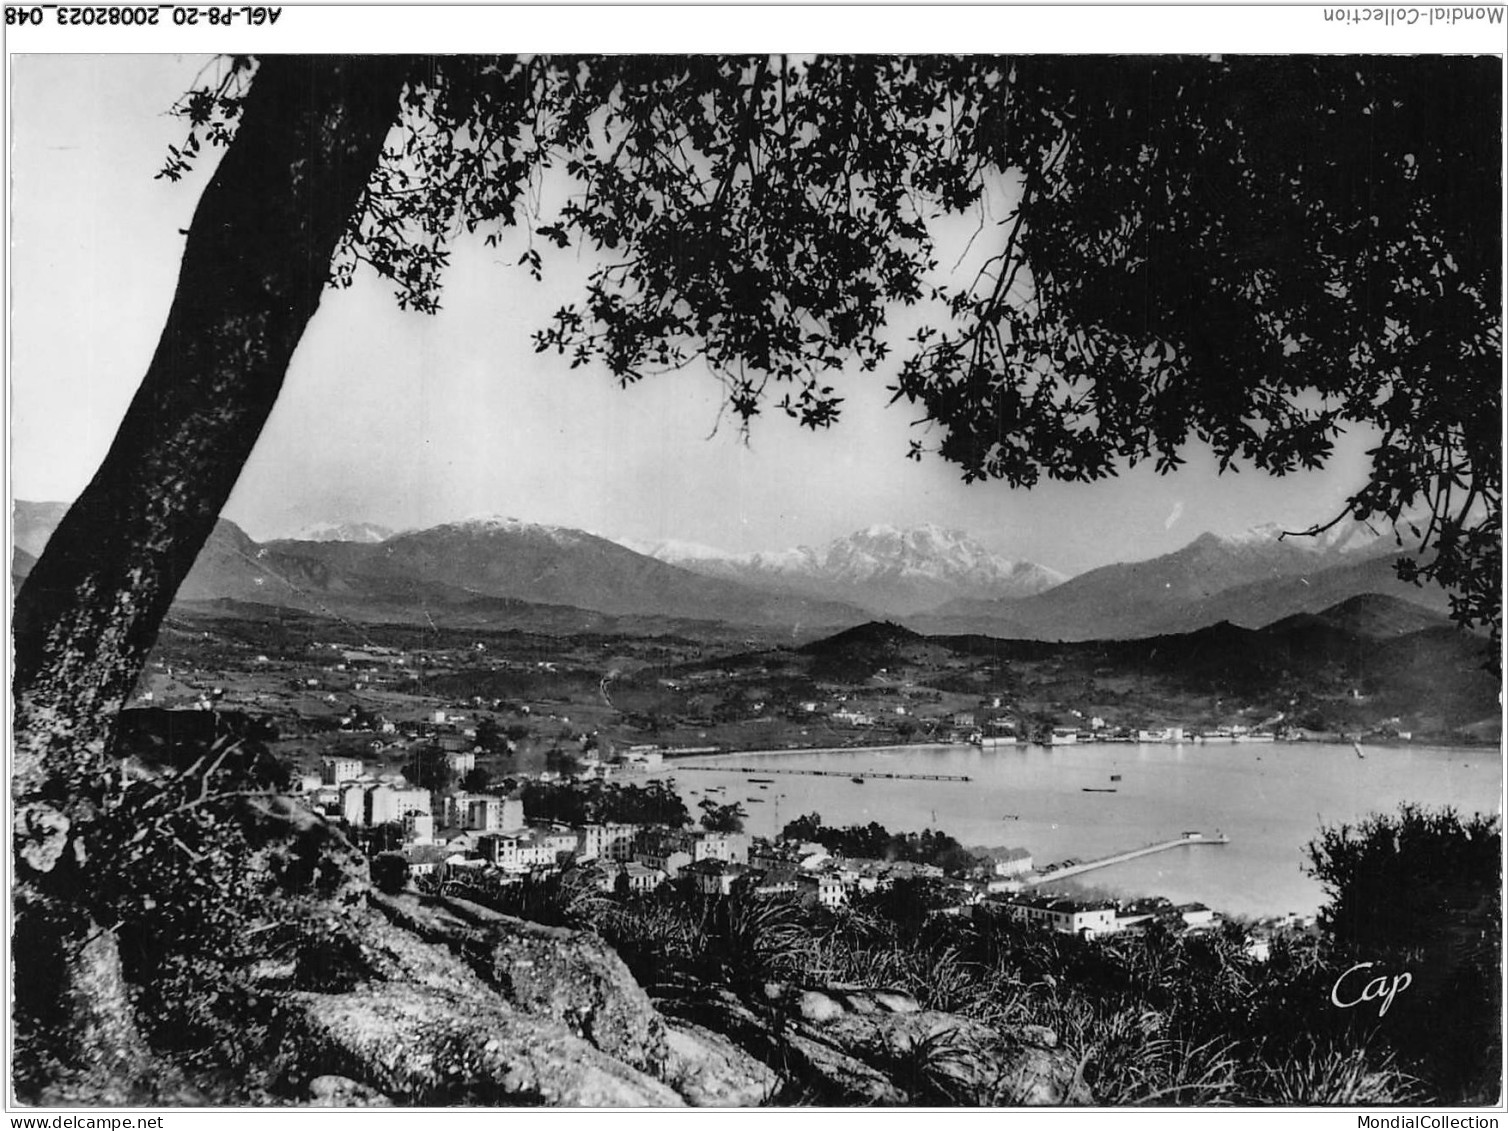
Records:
x=549, y=972
x=342, y=1091
x=849, y=1045
x=406, y=1000
x=709, y=1070
x=440, y=1002
x=421, y=1046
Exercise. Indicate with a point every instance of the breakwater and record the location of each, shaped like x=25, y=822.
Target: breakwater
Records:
x=826, y=773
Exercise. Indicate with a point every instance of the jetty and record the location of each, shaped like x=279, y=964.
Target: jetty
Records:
x=856, y=775
x=1188, y=838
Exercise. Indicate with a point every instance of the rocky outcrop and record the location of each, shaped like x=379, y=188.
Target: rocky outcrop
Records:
x=403, y=1020
x=850, y=1045
x=423, y=1046
x=709, y=1070
x=354, y=998
x=440, y=1001
x=570, y=976
x=825, y=1073
x=342, y=1091
x=407, y=1000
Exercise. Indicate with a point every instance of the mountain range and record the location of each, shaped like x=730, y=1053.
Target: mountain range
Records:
x=506, y=573
x=886, y=569
x=1250, y=580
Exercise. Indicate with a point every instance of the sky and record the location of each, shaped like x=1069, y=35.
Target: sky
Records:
x=409, y=420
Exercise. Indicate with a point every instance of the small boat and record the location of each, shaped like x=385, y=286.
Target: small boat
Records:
x=763, y=781
x=857, y=780
x=1115, y=777
x=1092, y=789
x=764, y=787
x=1011, y=816
x=1356, y=746
x=754, y=800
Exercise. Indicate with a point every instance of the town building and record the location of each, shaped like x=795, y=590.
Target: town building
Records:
x=639, y=878
x=664, y=857
x=824, y=888
x=732, y=848
x=644, y=757
x=366, y=804
x=715, y=877
x=853, y=718
x=609, y=841
x=418, y=828
x=484, y=812
x=1012, y=862
x=776, y=881
x=1067, y=916
x=768, y=857
x=517, y=851
x=353, y=804
x=429, y=859
x=334, y=771
x=560, y=840
x=385, y=803
x=1196, y=916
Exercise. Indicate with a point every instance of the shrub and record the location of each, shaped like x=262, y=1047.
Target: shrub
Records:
x=1420, y=891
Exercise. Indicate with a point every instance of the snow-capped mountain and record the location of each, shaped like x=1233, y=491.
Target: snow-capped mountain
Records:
x=496, y=556
x=891, y=570
x=344, y=532
x=1347, y=537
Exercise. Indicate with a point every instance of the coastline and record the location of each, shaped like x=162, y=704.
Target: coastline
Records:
x=1345, y=741
x=1271, y=802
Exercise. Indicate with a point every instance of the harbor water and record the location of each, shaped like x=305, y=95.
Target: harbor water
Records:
x=1089, y=800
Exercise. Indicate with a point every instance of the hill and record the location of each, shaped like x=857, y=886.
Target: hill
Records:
x=1367, y=662
x=1372, y=615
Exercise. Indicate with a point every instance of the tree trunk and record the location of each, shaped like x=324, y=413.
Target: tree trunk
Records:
x=255, y=262
x=254, y=265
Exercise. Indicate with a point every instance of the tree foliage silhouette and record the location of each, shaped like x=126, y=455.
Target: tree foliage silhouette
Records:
x=1250, y=253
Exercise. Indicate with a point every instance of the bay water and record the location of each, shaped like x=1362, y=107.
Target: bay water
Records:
x=1270, y=799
